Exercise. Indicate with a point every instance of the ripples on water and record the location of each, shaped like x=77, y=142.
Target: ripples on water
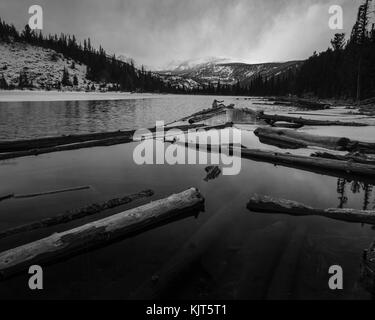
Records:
x=23, y=120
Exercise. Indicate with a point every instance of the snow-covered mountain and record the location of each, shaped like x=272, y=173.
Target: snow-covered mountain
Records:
x=192, y=74
x=176, y=67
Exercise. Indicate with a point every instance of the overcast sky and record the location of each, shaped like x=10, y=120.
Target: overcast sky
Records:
x=156, y=32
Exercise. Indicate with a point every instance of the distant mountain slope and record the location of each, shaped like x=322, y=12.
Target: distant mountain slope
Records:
x=43, y=67
x=227, y=73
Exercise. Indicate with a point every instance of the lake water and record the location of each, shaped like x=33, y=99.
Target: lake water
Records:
x=246, y=255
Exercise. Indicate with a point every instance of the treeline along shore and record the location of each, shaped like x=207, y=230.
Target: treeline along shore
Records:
x=346, y=70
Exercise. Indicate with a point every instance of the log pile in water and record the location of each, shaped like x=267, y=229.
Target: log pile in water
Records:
x=76, y=214
x=99, y=233
x=271, y=119
x=298, y=139
x=266, y=204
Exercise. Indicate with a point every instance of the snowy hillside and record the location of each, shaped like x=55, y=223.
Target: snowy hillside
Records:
x=43, y=67
x=192, y=75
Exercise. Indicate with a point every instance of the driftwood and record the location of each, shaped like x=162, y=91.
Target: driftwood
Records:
x=33, y=195
x=353, y=157
x=271, y=119
x=208, y=115
x=99, y=233
x=26, y=148
x=76, y=214
x=40, y=143
x=361, y=172
x=266, y=204
x=304, y=140
x=282, y=124
x=203, y=115
x=301, y=103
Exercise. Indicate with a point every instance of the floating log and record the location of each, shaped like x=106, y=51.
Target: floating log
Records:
x=99, y=233
x=76, y=214
x=353, y=157
x=301, y=103
x=207, y=116
x=283, y=124
x=202, y=115
x=330, y=167
x=271, y=119
x=124, y=138
x=101, y=137
x=304, y=140
x=266, y=204
x=46, y=193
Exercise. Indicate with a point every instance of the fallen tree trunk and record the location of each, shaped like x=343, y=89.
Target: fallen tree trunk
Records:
x=266, y=204
x=101, y=137
x=317, y=165
x=356, y=157
x=270, y=119
x=87, y=144
x=304, y=140
x=301, y=103
x=76, y=214
x=99, y=233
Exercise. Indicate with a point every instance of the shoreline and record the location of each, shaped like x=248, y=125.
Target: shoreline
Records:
x=42, y=96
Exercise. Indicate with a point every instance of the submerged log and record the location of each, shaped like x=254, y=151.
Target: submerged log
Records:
x=304, y=140
x=99, y=233
x=266, y=204
x=46, y=193
x=76, y=214
x=6, y=196
x=271, y=119
x=178, y=267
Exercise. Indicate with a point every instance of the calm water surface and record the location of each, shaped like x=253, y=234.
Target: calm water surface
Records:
x=22, y=120
x=247, y=255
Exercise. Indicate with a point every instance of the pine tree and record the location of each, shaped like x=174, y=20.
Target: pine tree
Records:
x=3, y=82
x=338, y=42
x=65, y=81
x=75, y=80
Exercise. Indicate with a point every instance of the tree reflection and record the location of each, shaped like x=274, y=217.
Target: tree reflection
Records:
x=355, y=188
